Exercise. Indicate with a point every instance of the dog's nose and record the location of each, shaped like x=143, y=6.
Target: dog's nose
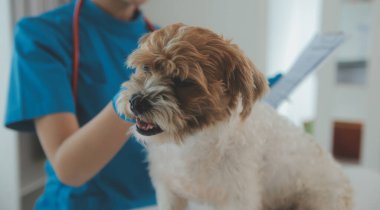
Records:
x=139, y=104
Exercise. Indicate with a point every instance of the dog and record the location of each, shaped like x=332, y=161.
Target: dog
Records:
x=195, y=97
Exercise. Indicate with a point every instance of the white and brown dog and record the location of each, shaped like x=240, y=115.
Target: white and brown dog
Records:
x=193, y=95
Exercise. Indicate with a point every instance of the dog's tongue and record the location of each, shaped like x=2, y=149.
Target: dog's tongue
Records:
x=144, y=125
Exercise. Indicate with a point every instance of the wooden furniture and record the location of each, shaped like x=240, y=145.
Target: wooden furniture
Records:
x=347, y=140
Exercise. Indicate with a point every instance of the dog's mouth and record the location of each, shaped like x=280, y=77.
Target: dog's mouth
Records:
x=147, y=128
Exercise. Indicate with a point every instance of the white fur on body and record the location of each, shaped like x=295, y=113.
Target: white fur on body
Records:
x=263, y=163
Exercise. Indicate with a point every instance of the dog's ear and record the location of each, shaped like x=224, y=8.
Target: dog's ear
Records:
x=144, y=38
x=243, y=79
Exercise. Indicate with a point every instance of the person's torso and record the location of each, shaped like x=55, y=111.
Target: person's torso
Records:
x=105, y=44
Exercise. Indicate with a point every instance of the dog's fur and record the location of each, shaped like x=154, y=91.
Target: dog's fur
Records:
x=220, y=146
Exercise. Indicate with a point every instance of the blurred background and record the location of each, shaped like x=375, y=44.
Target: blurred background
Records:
x=338, y=104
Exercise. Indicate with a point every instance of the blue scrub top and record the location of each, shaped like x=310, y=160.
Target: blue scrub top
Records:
x=40, y=85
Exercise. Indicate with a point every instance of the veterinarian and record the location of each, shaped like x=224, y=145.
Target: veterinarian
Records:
x=91, y=163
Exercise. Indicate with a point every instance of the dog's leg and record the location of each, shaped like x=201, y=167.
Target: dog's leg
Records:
x=248, y=202
x=240, y=206
x=169, y=201
x=325, y=201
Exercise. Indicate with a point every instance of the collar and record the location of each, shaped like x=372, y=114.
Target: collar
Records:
x=106, y=21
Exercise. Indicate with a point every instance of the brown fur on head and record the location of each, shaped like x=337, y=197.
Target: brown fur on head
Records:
x=192, y=77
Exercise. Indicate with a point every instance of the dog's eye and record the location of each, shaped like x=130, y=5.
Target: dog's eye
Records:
x=178, y=82
x=145, y=68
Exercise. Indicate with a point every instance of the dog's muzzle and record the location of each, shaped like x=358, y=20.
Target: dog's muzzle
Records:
x=140, y=106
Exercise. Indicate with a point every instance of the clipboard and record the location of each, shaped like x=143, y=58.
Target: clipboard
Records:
x=319, y=48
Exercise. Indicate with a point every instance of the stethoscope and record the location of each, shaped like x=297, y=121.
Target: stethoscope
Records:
x=75, y=25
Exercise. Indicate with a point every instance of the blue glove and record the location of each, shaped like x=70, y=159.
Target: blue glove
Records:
x=273, y=80
x=121, y=115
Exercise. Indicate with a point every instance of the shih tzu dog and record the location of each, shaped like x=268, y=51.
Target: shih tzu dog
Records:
x=194, y=96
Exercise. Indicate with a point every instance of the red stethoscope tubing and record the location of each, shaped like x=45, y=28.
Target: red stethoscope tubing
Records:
x=76, y=55
x=74, y=80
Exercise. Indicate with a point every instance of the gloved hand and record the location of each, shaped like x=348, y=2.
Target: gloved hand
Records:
x=121, y=115
x=273, y=80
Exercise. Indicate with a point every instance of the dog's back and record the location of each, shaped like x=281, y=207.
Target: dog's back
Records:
x=264, y=159
x=295, y=170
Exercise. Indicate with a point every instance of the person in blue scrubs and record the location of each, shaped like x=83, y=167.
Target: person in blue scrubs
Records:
x=91, y=162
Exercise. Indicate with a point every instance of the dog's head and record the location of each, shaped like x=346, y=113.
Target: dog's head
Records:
x=188, y=78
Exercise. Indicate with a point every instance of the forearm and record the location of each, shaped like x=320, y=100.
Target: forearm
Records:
x=83, y=152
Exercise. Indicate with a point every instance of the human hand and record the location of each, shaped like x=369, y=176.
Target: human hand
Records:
x=121, y=115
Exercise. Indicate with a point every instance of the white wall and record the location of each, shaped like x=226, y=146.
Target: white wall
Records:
x=355, y=21
x=351, y=102
x=242, y=20
x=292, y=24
x=8, y=144
x=21, y=8
x=371, y=143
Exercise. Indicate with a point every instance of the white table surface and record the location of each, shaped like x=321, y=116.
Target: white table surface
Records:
x=366, y=186
x=365, y=182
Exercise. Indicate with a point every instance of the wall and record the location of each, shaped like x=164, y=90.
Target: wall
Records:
x=371, y=146
x=8, y=144
x=21, y=8
x=355, y=21
x=292, y=24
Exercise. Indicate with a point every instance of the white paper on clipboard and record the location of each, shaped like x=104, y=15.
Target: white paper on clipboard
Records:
x=318, y=50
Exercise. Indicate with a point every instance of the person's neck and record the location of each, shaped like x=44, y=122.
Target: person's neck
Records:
x=119, y=9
